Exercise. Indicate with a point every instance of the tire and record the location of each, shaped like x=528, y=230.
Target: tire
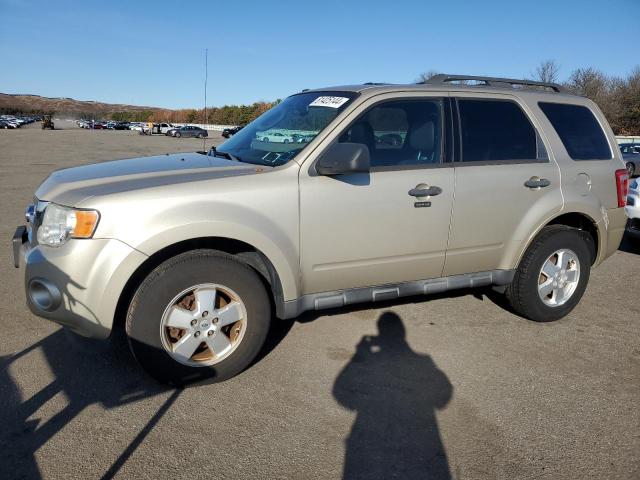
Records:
x=153, y=300
x=177, y=135
x=200, y=135
x=631, y=169
x=286, y=140
x=265, y=139
x=522, y=293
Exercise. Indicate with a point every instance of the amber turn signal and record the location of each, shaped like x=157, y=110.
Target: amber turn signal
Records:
x=86, y=222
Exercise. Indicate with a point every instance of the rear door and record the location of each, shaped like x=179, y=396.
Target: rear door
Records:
x=506, y=183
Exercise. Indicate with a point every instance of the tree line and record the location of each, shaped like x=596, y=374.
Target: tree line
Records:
x=617, y=97
x=226, y=115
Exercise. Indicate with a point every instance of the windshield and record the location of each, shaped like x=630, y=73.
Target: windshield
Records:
x=279, y=134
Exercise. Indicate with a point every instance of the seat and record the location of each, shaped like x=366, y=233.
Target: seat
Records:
x=420, y=142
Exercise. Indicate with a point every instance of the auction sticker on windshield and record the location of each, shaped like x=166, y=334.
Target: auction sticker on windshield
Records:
x=331, y=102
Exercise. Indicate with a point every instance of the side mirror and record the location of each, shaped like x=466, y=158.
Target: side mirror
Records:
x=344, y=158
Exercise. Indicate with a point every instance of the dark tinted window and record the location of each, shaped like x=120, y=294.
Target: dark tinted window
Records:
x=495, y=130
x=579, y=131
x=404, y=132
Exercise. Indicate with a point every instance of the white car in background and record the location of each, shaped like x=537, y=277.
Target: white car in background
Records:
x=633, y=207
x=164, y=127
x=275, y=137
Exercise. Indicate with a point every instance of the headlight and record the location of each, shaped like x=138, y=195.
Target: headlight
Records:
x=62, y=223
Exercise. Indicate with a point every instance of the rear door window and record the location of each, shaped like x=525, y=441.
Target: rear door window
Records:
x=496, y=130
x=579, y=130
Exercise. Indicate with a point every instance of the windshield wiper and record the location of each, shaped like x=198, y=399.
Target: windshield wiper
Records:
x=227, y=155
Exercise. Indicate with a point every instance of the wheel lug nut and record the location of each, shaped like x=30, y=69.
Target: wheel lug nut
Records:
x=193, y=322
x=204, y=314
x=215, y=320
x=197, y=334
x=210, y=333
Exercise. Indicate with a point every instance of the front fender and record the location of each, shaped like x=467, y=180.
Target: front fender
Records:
x=279, y=250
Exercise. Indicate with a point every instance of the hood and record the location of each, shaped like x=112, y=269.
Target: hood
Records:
x=71, y=186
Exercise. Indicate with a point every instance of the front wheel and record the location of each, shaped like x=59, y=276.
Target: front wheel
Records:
x=201, y=314
x=177, y=135
x=553, y=274
x=631, y=169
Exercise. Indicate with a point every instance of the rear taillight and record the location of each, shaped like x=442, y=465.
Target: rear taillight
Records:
x=622, y=186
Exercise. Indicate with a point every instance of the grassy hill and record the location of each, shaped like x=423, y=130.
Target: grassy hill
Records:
x=18, y=103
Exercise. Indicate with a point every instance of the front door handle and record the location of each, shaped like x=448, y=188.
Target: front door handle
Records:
x=425, y=191
x=537, y=183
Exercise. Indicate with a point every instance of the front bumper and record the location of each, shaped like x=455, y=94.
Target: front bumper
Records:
x=77, y=285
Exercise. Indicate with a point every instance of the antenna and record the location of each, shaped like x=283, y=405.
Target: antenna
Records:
x=206, y=77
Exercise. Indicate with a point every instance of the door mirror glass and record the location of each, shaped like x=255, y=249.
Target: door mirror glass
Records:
x=344, y=158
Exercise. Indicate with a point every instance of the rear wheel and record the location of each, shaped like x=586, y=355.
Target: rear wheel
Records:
x=198, y=315
x=553, y=274
x=631, y=169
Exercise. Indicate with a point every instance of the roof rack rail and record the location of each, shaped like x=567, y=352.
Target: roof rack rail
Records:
x=443, y=78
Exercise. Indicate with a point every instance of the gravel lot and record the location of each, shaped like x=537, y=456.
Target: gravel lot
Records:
x=465, y=390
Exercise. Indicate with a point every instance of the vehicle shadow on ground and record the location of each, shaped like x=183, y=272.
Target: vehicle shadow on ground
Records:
x=85, y=374
x=395, y=393
x=108, y=378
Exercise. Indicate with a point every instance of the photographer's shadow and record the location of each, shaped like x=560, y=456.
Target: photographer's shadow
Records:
x=395, y=392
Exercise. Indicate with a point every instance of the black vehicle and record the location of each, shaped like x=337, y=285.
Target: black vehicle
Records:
x=189, y=131
x=230, y=132
x=121, y=126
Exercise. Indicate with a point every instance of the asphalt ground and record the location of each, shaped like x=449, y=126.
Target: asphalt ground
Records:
x=452, y=386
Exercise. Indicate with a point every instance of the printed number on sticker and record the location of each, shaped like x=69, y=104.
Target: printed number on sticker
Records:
x=331, y=102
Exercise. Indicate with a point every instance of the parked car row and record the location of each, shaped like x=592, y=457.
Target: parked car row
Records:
x=143, y=128
x=12, y=121
x=631, y=157
x=279, y=137
x=104, y=125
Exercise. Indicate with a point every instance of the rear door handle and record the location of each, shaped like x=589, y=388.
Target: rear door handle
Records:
x=535, y=182
x=425, y=191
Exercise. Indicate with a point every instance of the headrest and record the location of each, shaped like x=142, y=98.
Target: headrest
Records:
x=422, y=136
x=362, y=132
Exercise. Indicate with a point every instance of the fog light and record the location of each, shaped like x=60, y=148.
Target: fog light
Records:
x=44, y=294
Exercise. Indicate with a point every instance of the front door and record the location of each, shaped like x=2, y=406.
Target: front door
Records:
x=377, y=228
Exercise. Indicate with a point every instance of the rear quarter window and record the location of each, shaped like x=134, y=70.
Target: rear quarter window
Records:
x=579, y=130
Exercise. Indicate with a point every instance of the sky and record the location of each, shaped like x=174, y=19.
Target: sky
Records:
x=153, y=53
